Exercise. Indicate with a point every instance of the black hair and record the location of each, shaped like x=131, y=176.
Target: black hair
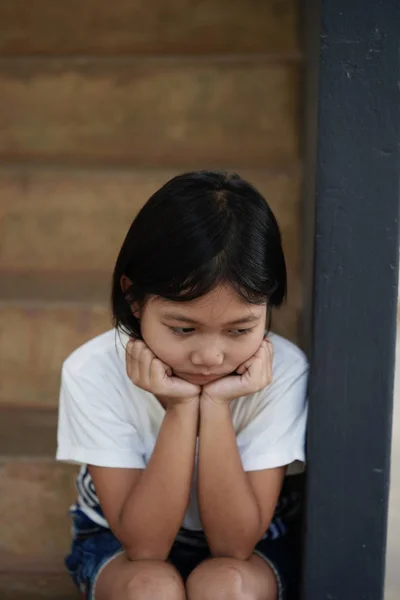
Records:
x=199, y=230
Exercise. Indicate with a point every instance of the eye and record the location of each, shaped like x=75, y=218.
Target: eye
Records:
x=238, y=332
x=182, y=331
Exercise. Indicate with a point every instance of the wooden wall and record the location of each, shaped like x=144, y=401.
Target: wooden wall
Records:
x=101, y=103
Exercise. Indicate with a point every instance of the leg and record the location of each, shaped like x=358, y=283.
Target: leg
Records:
x=123, y=579
x=232, y=579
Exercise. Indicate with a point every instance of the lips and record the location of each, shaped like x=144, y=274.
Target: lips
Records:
x=200, y=377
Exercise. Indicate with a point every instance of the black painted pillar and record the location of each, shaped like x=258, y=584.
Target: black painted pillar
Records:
x=352, y=234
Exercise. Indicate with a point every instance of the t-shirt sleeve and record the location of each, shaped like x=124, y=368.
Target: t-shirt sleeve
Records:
x=93, y=427
x=275, y=437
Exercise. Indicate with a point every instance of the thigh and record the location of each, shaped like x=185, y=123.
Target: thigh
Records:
x=90, y=552
x=97, y=561
x=284, y=557
x=233, y=579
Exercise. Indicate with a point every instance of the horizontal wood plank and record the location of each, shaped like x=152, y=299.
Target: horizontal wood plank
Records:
x=99, y=27
x=34, y=341
x=77, y=220
x=149, y=113
x=35, y=529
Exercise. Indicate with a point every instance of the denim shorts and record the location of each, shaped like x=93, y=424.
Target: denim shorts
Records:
x=94, y=546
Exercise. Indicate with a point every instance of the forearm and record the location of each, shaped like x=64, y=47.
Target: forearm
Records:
x=154, y=510
x=228, y=508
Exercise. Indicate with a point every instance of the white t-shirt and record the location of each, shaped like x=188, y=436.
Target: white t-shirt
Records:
x=106, y=420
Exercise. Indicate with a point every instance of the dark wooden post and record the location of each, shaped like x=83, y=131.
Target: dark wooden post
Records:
x=352, y=164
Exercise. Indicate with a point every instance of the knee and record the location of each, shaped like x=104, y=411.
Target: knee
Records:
x=216, y=578
x=154, y=581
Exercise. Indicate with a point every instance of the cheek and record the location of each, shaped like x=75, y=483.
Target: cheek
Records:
x=170, y=353
x=248, y=347
x=160, y=343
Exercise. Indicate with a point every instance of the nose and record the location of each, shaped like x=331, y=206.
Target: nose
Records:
x=209, y=355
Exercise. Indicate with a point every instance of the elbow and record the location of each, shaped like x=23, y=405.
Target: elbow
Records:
x=241, y=547
x=141, y=553
x=137, y=544
x=235, y=553
x=138, y=548
x=239, y=551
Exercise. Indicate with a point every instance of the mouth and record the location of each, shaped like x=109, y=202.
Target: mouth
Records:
x=199, y=378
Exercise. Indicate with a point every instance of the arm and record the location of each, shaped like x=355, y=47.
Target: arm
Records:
x=235, y=507
x=145, y=508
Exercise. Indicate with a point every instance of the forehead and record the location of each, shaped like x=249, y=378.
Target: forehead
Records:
x=221, y=305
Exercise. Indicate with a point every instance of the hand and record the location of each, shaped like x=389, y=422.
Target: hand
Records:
x=253, y=375
x=149, y=373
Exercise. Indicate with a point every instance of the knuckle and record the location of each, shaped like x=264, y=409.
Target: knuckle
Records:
x=132, y=352
x=137, y=345
x=145, y=354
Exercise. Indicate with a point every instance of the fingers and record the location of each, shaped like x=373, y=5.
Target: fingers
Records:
x=265, y=353
x=249, y=362
x=139, y=359
x=157, y=374
x=146, y=358
x=166, y=367
x=164, y=384
x=151, y=374
x=130, y=361
x=270, y=358
x=259, y=366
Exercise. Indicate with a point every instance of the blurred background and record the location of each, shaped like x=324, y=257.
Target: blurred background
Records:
x=100, y=104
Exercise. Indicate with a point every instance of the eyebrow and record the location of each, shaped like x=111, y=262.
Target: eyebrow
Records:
x=183, y=319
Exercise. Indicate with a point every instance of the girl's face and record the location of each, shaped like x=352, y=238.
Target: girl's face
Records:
x=204, y=339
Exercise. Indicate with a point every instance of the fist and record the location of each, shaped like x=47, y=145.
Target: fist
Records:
x=148, y=372
x=252, y=376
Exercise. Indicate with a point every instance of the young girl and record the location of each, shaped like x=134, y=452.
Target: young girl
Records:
x=186, y=415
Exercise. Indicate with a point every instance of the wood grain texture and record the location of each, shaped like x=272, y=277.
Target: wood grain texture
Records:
x=99, y=27
x=77, y=220
x=150, y=113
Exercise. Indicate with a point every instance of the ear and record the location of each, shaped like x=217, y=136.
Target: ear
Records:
x=136, y=311
x=126, y=284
